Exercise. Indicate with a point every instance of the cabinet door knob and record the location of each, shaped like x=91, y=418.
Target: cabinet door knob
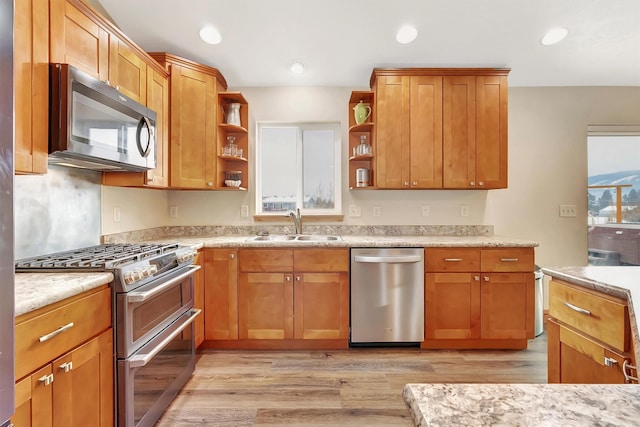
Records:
x=66, y=367
x=232, y=256
x=476, y=278
x=472, y=184
x=481, y=183
x=298, y=278
x=287, y=278
x=406, y=183
x=46, y=379
x=415, y=183
x=610, y=362
x=486, y=278
x=210, y=184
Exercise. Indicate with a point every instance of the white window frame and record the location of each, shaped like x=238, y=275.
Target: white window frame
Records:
x=337, y=150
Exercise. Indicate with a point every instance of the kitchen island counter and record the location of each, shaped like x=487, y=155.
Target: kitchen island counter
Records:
x=523, y=404
x=621, y=282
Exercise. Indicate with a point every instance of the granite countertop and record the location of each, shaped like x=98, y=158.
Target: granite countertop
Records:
x=537, y=405
x=36, y=290
x=621, y=282
x=348, y=241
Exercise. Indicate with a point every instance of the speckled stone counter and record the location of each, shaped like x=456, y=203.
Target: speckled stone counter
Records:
x=36, y=290
x=622, y=282
x=537, y=405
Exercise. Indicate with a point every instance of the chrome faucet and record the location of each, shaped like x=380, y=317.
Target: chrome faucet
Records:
x=297, y=220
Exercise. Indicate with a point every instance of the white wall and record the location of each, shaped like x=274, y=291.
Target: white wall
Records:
x=547, y=167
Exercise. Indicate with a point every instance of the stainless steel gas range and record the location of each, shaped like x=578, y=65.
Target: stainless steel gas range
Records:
x=152, y=315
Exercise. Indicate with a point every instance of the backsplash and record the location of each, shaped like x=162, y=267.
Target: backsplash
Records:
x=342, y=230
x=57, y=211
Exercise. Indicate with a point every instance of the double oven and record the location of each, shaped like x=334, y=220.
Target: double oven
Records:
x=153, y=314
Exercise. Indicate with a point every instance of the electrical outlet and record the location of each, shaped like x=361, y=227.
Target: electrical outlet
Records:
x=173, y=211
x=244, y=211
x=568, y=210
x=376, y=211
x=426, y=210
x=116, y=214
x=464, y=210
x=354, y=210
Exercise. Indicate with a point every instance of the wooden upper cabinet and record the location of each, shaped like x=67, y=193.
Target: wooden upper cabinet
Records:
x=127, y=70
x=491, y=131
x=459, y=131
x=441, y=128
x=77, y=39
x=31, y=85
x=392, y=132
x=192, y=129
x=426, y=131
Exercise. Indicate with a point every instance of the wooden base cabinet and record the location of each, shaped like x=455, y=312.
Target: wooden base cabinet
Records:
x=221, y=294
x=471, y=303
x=74, y=390
x=293, y=298
x=588, y=336
x=65, y=375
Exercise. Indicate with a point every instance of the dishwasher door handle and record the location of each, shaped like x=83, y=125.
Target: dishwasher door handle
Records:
x=388, y=259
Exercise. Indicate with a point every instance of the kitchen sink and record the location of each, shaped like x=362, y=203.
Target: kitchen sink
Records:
x=294, y=238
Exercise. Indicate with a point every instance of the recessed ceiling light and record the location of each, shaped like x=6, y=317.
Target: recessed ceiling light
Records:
x=554, y=35
x=406, y=34
x=296, y=67
x=210, y=35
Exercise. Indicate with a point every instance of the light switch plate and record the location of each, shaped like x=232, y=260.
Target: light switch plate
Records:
x=116, y=214
x=173, y=211
x=567, y=210
x=244, y=211
x=426, y=210
x=376, y=211
x=464, y=210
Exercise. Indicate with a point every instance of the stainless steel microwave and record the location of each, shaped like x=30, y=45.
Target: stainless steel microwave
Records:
x=93, y=126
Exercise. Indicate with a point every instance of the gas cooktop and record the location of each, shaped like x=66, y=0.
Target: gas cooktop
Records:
x=95, y=258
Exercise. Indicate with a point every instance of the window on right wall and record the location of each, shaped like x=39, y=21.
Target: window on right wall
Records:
x=613, y=195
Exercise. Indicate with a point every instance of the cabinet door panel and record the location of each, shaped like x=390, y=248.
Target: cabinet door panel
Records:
x=505, y=297
x=491, y=132
x=127, y=71
x=192, y=129
x=33, y=401
x=265, y=306
x=31, y=85
x=459, y=126
x=221, y=294
x=392, y=132
x=158, y=101
x=426, y=132
x=452, y=306
x=83, y=392
x=78, y=40
x=321, y=306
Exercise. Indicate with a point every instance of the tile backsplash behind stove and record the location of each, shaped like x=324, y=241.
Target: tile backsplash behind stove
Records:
x=57, y=211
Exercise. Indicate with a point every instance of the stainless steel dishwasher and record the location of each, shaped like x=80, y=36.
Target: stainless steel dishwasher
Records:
x=387, y=295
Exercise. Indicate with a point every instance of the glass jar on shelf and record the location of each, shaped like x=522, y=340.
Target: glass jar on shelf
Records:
x=231, y=149
x=363, y=149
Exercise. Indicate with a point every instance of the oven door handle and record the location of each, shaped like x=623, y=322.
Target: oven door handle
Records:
x=135, y=297
x=140, y=360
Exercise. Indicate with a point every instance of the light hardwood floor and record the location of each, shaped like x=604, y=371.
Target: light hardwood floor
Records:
x=356, y=387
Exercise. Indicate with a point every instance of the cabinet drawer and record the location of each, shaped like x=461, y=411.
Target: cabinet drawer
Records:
x=507, y=259
x=89, y=314
x=451, y=259
x=265, y=260
x=319, y=260
x=604, y=318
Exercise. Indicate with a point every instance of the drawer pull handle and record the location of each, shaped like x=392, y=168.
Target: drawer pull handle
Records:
x=452, y=259
x=46, y=379
x=66, y=367
x=578, y=309
x=509, y=259
x=627, y=377
x=58, y=331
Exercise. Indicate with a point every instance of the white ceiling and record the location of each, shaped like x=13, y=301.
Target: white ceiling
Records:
x=341, y=41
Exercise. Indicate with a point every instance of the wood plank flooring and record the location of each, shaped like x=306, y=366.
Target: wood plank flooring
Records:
x=355, y=387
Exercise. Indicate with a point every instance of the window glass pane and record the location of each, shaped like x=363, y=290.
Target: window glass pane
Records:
x=318, y=159
x=278, y=178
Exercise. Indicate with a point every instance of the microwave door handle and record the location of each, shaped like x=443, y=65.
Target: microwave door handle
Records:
x=144, y=122
x=140, y=360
